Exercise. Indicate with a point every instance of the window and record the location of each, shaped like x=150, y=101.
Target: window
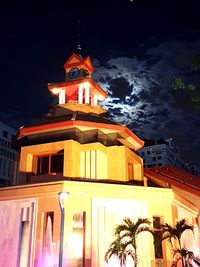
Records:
x=159, y=157
x=78, y=239
x=4, y=167
x=151, y=165
x=24, y=239
x=157, y=237
x=49, y=164
x=148, y=152
x=48, y=225
x=0, y=164
x=9, y=168
x=130, y=171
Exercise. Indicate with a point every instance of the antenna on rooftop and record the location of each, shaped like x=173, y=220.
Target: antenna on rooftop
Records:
x=79, y=48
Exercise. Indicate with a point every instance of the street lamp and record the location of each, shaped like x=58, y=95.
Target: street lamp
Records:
x=62, y=196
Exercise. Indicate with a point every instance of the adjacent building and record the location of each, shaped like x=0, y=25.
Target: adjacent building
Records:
x=77, y=151
x=160, y=153
x=193, y=169
x=7, y=154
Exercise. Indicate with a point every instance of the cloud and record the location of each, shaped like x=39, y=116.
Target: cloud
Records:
x=140, y=94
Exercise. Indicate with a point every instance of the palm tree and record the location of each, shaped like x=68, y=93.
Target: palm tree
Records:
x=173, y=236
x=125, y=242
x=119, y=249
x=188, y=257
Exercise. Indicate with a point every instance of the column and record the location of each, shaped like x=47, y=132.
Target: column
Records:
x=95, y=101
x=87, y=94
x=62, y=97
x=80, y=95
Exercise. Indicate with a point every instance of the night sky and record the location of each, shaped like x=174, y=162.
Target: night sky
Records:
x=139, y=49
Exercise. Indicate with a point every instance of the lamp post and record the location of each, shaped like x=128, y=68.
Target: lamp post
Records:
x=61, y=196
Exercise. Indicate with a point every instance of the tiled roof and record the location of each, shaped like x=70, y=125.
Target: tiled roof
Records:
x=175, y=177
x=74, y=117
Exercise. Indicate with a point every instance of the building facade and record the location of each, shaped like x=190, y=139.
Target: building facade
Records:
x=7, y=154
x=78, y=151
x=160, y=153
x=193, y=169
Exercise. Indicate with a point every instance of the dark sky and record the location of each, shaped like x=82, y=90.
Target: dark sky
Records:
x=37, y=39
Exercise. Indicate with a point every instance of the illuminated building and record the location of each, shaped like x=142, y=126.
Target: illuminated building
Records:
x=182, y=182
x=7, y=154
x=160, y=153
x=77, y=150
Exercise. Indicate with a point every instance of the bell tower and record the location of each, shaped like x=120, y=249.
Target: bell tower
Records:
x=79, y=92
x=75, y=140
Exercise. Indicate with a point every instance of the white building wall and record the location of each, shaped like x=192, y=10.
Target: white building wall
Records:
x=107, y=213
x=7, y=154
x=17, y=219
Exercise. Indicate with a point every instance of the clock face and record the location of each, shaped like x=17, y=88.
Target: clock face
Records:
x=74, y=73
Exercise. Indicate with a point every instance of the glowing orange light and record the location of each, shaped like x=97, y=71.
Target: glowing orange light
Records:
x=86, y=84
x=55, y=91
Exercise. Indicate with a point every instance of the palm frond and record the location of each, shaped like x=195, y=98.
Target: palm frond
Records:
x=125, y=242
x=144, y=228
x=170, y=232
x=174, y=264
x=196, y=261
x=115, y=247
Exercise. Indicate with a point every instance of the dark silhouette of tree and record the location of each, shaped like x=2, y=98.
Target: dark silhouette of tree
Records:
x=173, y=236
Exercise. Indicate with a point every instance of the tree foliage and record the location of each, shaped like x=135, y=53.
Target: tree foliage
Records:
x=173, y=236
x=125, y=243
x=178, y=83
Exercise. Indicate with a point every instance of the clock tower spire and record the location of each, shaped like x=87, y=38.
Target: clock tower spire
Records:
x=79, y=92
x=79, y=48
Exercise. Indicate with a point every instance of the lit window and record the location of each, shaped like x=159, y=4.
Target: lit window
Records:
x=77, y=239
x=48, y=227
x=49, y=164
x=24, y=239
x=157, y=237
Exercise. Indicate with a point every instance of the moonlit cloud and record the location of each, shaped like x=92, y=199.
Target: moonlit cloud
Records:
x=140, y=94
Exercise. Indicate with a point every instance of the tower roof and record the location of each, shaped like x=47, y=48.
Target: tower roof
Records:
x=56, y=128
x=77, y=61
